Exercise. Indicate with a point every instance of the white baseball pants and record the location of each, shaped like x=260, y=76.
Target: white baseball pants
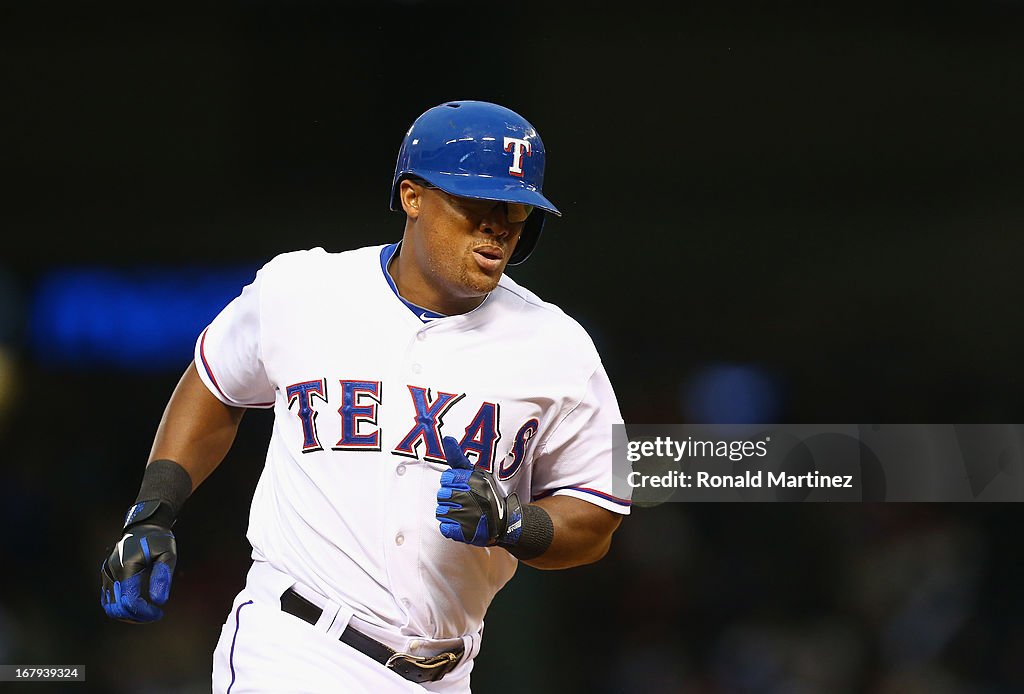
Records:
x=262, y=649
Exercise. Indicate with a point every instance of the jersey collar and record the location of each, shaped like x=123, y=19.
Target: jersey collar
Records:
x=424, y=314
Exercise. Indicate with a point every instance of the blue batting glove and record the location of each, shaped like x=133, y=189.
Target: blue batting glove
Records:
x=470, y=507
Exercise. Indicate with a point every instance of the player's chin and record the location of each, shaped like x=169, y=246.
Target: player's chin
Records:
x=479, y=283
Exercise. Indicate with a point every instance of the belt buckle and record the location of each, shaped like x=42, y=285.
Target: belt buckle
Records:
x=425, y=662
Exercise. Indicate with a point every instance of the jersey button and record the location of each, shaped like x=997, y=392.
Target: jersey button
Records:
x=400, y=470
x=416, y=368
x=399, y=539
x=421, y=335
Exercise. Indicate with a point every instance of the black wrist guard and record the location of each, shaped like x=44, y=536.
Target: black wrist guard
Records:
x=151, y=512
x=536, y=534
x=165, y=487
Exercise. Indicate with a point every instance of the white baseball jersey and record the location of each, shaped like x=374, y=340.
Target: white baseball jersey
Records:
x=363, y=390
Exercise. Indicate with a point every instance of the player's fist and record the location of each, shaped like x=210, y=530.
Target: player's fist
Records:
x=470, y=507
x=136, y=577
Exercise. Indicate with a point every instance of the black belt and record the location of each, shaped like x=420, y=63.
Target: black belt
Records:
x=414, y=668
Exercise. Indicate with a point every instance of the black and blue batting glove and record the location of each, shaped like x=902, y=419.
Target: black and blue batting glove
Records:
x=471, y=508
x=136, y=577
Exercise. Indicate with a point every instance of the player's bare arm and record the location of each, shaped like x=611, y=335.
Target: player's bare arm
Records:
x=193, y=437
x=582, y=533
x=196, y=430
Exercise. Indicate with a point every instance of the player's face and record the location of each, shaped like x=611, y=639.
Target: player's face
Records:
x=463, y=244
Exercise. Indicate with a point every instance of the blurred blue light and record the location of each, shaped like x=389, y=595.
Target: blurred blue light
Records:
x=732, y=394
x=134, y=319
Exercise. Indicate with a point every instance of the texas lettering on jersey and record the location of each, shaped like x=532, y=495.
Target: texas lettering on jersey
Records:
x=358, y=414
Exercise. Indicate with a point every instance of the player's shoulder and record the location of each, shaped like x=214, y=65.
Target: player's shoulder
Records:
x=508, y=290
x=316, y=272
x=318, y=257
x=316, y=269
x=543, y=317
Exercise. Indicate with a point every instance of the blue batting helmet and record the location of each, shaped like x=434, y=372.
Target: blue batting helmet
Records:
x=475, y=149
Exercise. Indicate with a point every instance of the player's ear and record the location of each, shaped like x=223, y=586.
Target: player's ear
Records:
x=411, y=195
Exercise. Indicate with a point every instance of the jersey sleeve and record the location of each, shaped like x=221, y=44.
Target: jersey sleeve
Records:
x=229, y=355
x=576, y=458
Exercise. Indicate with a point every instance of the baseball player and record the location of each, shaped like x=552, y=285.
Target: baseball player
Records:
x=435, y=424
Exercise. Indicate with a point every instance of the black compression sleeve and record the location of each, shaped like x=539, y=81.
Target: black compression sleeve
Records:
x=169, y=482
x=538, y=533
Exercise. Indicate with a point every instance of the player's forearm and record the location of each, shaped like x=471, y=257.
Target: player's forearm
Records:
x=583, y=533
x=196, y=430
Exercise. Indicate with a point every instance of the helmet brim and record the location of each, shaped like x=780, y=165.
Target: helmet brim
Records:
x=489, y=188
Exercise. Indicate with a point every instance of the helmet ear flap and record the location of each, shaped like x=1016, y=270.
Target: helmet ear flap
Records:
x=528, y=239
x=396, y=204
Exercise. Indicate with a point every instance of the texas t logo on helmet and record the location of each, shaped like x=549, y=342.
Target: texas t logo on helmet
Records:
x=517, y=147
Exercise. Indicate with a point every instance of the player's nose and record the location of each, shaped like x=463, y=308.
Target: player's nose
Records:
x=496, y=223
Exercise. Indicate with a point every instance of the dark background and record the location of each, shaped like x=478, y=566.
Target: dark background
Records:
x=820, y=201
